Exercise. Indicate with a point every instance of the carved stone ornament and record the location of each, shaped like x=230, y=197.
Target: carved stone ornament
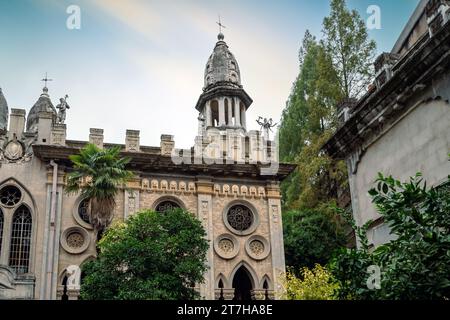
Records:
x=13, y=150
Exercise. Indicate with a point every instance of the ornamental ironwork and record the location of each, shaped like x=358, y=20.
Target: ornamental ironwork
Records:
x=240, y=217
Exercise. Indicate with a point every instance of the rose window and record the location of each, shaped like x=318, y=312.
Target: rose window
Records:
x=240, y=217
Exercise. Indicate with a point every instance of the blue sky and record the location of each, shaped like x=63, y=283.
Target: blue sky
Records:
x=138, y=64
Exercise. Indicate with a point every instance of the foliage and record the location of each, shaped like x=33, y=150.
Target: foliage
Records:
x=349, y=265
x=311, y=236
x=97, y=174
x=416, y=264
x=150, y=256
x=346, y=41
x=315, y=284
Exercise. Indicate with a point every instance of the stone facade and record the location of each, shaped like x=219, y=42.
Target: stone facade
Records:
x=58, y=237
x=401, y=127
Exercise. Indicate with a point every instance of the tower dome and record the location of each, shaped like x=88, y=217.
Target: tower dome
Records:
x=3, y=112
x=42, y=104
x=222, y=67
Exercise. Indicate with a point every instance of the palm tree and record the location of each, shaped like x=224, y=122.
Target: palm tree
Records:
x=97, y=174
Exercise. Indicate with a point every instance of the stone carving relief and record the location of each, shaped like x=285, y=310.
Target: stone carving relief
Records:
x=73, y=277
x=14, y=151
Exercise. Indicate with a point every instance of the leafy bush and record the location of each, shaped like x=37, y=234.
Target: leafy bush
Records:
x=315, y=284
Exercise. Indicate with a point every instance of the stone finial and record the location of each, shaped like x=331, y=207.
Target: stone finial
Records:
x=167, y=144
x=132, y=141
x=96, y=137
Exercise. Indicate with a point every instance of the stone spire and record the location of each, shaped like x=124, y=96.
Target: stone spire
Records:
x=3, y=112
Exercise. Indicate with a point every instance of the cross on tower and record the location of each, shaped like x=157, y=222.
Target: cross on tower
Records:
x=46, y=79
x=220, y=25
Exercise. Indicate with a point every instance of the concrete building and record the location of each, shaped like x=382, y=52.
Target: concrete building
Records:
x=401, y=126
x=229, y=179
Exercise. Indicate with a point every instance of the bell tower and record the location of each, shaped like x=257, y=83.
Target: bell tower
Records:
x=224, y=102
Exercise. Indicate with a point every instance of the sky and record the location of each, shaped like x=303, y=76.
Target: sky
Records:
x=139, y=64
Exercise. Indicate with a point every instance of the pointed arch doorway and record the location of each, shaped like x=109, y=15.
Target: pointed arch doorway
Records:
x=242, y=284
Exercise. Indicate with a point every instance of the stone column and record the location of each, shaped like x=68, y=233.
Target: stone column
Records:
x=243, y=119
x=204, y=214
x=237, y=113
x=230, y=112
x=276, y=237
x=208, y=114
x=221, y=111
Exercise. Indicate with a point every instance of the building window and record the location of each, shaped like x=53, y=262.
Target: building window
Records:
x=1, y=230
x=83, y=210
x=19, y=255
x=240, y=217
x=10, y=196
x=167, y=205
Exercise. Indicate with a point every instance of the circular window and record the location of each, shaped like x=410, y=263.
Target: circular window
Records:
x=240, y=217
x=10, y=196
x=167, y=205
x=75, y=240
x=257, y=247
x=83, y=210
x=226, y=246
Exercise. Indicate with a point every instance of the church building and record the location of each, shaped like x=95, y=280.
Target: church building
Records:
x=230, y=180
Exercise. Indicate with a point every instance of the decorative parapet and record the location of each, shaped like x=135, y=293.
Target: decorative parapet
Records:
x=58, y=134
x=438, y=14
x=96, y=137
x=383, y=68
x=167, y=186
x=167, y=144
x=132, y=143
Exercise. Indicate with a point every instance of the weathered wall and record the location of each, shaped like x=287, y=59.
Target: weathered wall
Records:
x=420, y=142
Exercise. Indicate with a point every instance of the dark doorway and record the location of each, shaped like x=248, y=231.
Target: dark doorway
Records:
x=242, y=285
x=64, y=296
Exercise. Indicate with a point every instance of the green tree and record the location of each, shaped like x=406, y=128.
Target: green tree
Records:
x=416, y=264
x=151, y=256
x=314, y=284
x=337, y=67
x=311, y=236
x=347, y=42
x=97, y=174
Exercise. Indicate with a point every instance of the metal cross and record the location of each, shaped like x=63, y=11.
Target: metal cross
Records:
x=220, y=25
x=46, y=79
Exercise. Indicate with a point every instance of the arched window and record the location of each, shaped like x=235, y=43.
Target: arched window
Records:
x=166, y=205
x=83, y=210
x=19, y=254
x=266, y=290
x=220, y=285
x=1, y=230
